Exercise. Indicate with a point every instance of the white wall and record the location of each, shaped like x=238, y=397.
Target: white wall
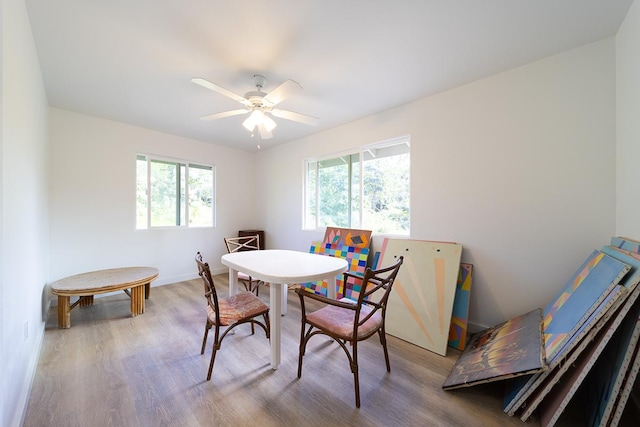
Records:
x=628, y=125
x=2, y=26
x=24, y=230
x=519, y=168
x=93, y=199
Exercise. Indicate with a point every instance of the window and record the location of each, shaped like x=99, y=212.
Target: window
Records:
x=171, y=193
x=368, y=188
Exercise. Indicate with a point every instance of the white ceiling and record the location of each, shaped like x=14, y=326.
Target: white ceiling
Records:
x=132, y=61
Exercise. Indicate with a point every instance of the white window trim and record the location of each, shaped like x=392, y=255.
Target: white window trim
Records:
x=151, y=157
x=405, y=139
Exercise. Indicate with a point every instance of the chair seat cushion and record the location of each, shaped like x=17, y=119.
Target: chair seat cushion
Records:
x=339, y=321
x=237, y=307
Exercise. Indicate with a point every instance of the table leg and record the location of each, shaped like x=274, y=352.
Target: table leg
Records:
x=233, y=282
x=147, y=290
x=86, y=301
x=275, y=296
x=285, y=294
x=137, y=300
x=331, y=290
x=64, y=312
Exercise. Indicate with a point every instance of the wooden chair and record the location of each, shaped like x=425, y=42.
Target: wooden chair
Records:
x=228, y=312
x=245, y=243
x=349, y=321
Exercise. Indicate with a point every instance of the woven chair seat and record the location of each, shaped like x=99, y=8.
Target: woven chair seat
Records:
x=340, y=320
x=234, y=308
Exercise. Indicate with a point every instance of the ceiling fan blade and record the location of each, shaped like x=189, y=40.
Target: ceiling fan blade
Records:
x=223, y=114
x=222, y=91
x=264, y=132
x=282, y=92
x=296, y=117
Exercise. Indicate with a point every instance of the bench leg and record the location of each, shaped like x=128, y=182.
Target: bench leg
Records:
x=137, y=300
x=64, y=312
x=86, y=301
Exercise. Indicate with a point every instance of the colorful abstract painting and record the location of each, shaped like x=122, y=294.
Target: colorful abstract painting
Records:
x=357, y=261
x=509, y=349
x=421, y=302
x=347, y=237
x=460, y=315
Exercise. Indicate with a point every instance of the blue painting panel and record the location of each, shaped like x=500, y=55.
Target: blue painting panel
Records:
x=632, y=278
x=579, y=298
x=626, y=244
x=582, y=300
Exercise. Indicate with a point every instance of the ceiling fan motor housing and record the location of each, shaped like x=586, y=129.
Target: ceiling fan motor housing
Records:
x=256, y=98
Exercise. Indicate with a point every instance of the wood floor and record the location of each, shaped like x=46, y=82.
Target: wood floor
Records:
x=111, y=369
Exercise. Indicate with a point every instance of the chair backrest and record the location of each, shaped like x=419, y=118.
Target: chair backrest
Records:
x=376, y=287
x=244, y=243
x=209, y=287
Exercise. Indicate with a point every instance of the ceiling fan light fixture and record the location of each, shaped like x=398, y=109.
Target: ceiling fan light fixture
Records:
x=269, y=123
x=260, y=105
x=253, y=120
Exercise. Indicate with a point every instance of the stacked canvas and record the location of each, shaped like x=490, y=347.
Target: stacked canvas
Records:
x=589, y=337
x=588, y=350
x=597, y=377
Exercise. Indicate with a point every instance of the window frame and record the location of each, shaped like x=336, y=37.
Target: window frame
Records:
x=180, y=164
x=360, y=152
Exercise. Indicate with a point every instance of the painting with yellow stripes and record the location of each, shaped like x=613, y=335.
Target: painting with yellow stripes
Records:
x=421, y=303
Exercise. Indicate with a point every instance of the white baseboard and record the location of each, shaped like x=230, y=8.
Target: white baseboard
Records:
x=174, y=279
x=25, y=390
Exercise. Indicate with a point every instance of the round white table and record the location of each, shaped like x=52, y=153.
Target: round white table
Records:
x=280, y=267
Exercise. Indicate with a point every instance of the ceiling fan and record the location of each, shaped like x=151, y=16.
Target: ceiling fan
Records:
x=260, y=105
